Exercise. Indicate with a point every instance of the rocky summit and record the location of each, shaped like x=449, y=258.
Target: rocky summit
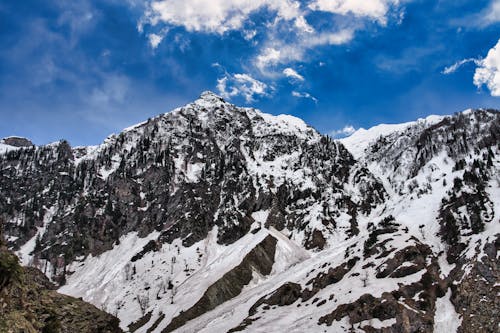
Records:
x=217, y=218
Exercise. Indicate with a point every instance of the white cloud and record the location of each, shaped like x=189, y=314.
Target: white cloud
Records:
x=488, y=71
x=285, y=35
x=242, y=85
x=492, y=13
x=279, y=52
x=218, y=16
x=291, y=73
x=249, y=34
x=330, y=38
x=269, y=57
x=154, y=40
x=374, y=9
x=484, y=18
x=453, y=68
x=346, y=131
x=488, y=16
x=304, y=95
x=302, y=25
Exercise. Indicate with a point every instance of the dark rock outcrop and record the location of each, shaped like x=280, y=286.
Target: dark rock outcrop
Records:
x=16, y=141
x=259, y=259
x=29, y=304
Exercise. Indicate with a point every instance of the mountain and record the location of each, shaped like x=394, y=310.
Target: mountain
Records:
x=213, y=217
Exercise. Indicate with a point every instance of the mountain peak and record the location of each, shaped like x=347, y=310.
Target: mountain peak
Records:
x=17, y=141
x=211, y=98
x=13, y=143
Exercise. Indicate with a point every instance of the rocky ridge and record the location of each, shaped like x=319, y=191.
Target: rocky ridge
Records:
x=158, y=224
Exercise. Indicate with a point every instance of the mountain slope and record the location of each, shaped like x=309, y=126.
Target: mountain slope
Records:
x=30, y=304
x=218, y=218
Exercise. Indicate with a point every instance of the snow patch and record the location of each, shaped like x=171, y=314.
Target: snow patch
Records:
x=446, y=319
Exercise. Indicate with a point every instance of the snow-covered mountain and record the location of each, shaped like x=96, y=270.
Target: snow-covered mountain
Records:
x=215, y=218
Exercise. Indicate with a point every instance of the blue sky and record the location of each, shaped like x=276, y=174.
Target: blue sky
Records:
x=81, y=70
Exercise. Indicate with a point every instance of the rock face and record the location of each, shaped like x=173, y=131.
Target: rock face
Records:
x=218, y=218
x=16, y=141
x=30, y=303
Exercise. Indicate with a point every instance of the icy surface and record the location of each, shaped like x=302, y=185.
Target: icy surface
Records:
x=446, y=318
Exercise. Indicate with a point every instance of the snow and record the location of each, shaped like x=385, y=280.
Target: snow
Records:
x=194, y=171
x=133, y=127
x=103, y=280
x=377, y=323
x=25, y=251
x=209, y=100
x=293, y=263
x=446, y=319
x=235, y=310
x=105, y=172
x=6, y=148
x=285, y=123
x=288, y=253
x=362, y=138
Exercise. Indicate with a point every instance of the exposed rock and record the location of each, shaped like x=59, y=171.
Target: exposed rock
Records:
x=30, y=304
x=260, y=259
x=317, y=241
x=16, y=141
x=410, y=315
x=333, y=275
x=150, y=246
x=475, y=296
x=416, y=255
x=287, y=294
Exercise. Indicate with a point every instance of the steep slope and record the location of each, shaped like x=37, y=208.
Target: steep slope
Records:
x=217, y=218
x=30, y=304
x=443, y=180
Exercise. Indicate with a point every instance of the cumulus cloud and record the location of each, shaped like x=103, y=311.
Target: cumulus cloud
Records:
x=488, y=71
x=304, y=95
x=285, y=36
x=221, y=16
x=218, y=16
x=374, y=9
x=292, y=74
x=345, y=131
x=241, y=85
